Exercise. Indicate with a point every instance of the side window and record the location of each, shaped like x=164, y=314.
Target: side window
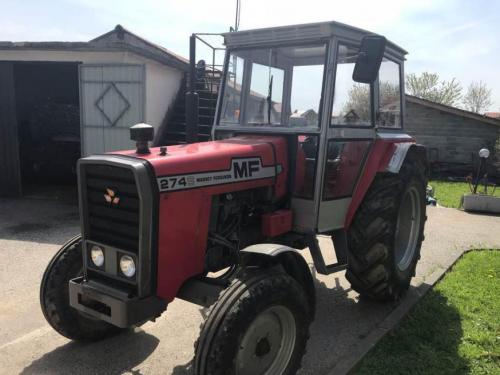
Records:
x=305, y=168
x=232, y=91
x=344, y=162
x=389, y=111
x=351, y=100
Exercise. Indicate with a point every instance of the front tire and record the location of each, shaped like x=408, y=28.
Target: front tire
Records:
x=387, y=233
x=259, y=325
x=54, y=297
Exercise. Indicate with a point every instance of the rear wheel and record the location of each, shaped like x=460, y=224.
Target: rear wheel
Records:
x=54, y=297
x=387, y=233
x=259, y=325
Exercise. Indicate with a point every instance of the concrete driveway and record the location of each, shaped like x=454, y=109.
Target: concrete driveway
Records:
x=31, y=231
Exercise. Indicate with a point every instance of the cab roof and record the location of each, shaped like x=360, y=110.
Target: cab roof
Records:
x=301, y=32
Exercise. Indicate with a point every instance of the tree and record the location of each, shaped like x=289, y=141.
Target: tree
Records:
x=427, y=86
x=359, y=98
x=478, y=97
x=358, y=101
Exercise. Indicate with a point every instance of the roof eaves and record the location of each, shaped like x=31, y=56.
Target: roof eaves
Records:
x=117, y=35
x=43, y=45
x=452, y=110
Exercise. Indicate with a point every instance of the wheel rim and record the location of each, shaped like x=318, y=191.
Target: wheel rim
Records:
x=268, y=344
x=407, y=228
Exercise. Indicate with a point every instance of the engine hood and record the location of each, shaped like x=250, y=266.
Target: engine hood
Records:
x=231, y=160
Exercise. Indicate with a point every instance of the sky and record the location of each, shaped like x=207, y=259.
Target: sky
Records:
x=456, y=39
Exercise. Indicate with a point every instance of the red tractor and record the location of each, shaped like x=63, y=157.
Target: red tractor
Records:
x=307, y=140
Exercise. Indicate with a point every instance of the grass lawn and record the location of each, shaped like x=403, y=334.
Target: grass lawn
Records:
x=454, y=329
x=448, y=193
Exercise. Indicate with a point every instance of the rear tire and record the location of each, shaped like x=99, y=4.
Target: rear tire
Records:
x=54, y=297
x=259, y=325
x=386, y=234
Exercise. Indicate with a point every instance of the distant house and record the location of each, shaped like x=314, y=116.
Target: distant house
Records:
x=452, y=136
x=351, y=117
x=304, y=118
x=493, y=114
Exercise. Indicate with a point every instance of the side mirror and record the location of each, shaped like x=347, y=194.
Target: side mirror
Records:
x=369, y=58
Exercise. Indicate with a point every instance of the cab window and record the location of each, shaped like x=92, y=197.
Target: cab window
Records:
x=281, y=87
x=389, y=110
x=265, y=100
x=232, y=92
x=351, y=100
x=305, y=168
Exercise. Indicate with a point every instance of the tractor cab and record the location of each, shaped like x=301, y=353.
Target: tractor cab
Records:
x=330, y=89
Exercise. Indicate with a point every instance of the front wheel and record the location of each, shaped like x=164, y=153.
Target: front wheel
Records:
x=259, y=325
x=54, y=297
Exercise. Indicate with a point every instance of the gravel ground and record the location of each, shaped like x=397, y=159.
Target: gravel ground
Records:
x=32, y=230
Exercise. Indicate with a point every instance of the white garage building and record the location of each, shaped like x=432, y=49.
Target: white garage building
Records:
x=62, y=99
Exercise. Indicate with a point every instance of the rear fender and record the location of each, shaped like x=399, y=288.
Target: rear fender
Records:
x=386, y=156
x=265, y=255
x=402, y=152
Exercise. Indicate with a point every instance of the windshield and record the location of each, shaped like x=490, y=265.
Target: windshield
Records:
x=274, y=87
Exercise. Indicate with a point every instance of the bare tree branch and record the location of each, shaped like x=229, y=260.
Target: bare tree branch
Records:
x=427, y=86
x=478, y=97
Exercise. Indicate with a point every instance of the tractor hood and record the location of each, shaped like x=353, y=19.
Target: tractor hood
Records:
x=209, y=164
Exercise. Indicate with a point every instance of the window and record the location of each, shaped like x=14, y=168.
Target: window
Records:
x=282, y=87
x=389, y=112
x=344, y=162
x=265, y=99
x=305, y=168
x=232, y=90
x=305, y=100
x=351, y=100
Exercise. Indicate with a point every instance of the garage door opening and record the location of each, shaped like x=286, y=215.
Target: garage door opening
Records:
x=47, y=106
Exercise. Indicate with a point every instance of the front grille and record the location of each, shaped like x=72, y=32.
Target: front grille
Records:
x=111, y=224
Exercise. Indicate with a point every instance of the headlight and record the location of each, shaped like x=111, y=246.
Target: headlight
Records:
x=127, y=265
x=97, y=255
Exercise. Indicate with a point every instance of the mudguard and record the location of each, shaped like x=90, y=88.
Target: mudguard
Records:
x=400, y=153
x=387, y=155
x=289, y=258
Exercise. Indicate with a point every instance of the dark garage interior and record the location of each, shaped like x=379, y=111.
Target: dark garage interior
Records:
x=46, y=96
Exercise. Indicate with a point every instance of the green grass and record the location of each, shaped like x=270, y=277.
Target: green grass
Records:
x=454, y=329
x=448, y=194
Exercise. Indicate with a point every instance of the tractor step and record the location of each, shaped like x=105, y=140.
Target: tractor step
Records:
x=339, y=239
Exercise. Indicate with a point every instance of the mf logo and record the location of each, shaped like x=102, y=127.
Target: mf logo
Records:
x=245, y=168
x=111, y=197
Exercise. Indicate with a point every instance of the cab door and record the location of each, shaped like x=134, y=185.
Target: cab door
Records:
x=349, y=135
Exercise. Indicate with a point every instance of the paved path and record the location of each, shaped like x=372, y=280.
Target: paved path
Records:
x=31, y=232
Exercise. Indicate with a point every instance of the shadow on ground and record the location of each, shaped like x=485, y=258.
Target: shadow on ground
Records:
x=112, y=356
x=426, y=341
x=42, y=221
x=331, y=328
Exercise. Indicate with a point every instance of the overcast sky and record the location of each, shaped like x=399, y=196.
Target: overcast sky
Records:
x=453, y=38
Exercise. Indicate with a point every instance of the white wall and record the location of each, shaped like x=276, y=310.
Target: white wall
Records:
x=162, y=82
x=162, y=85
